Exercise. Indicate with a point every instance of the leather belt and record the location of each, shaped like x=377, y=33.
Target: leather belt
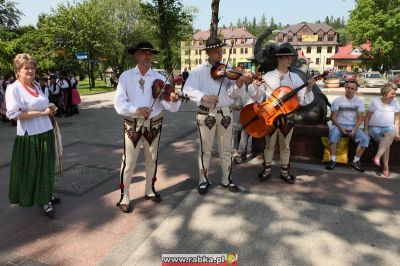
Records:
x=207, y=110
x=141, y=121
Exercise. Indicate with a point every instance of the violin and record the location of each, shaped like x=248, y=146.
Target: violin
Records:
x=220, y=70
x=258, y=119
x=165, y=94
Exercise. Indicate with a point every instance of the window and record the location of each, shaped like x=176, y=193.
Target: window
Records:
x=241, y=50
x=187, y=61
x=246, y=51
x=197, y=61
x=196, y=52
x=319, y=49
x=187, y=52
x=328, y=61
x=320, y=37
x=290, y=38
x=200, y=61
x=299, y=38
x=234, y=61
x=308, y=49
x=234, y=51
x=243, y=40
x=330, y=38
x=317, y=61
x=329, y=49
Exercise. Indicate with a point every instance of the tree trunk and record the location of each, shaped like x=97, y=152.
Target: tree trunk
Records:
x=214, y=18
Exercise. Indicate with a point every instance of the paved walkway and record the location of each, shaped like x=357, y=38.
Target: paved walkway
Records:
x=339, y=217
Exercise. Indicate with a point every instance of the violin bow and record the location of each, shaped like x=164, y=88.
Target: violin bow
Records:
x=227, y=62
x=165, y=84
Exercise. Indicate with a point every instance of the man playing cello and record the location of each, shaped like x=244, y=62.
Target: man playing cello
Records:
x=282, y=76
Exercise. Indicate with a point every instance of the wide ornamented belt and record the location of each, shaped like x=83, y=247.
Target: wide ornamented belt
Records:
x=219, y=110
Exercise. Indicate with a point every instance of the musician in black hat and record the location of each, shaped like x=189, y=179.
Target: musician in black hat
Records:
x=214, y=119
x=282, y=76
x=143, y=123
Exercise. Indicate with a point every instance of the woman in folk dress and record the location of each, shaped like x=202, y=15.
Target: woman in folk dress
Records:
x=33, y=158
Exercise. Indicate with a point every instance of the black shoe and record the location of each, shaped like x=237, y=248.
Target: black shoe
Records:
x=155, y=198
x=231, y=187
x=330, y=165
x=203, y=187
x=48, y=210
x=55, y=200
x=124, y=207
x=265, y=175
x=240, y=159
x=357, y=166
x=288, y=178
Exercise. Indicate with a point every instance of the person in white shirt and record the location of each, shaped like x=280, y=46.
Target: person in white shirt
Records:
x=143, y=121
x=282, y=76
x=347, y=114
x=382, y=124
x=214, y=119
x=252, y=93
x=33, y=159
x=44, y=87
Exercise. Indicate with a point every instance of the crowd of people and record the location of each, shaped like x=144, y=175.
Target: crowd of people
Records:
x=34, y=105
x=61, y=89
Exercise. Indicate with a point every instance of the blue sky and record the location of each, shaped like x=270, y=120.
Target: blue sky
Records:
x=284, y=11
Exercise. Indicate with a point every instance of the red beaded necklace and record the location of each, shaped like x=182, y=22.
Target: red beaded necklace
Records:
x=34, y=93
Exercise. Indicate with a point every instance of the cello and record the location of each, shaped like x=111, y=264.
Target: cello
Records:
x=258, y=119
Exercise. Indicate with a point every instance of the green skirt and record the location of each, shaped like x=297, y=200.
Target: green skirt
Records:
x=32, y=169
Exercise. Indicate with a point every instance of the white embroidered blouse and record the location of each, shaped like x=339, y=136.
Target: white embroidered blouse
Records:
x=19, y=100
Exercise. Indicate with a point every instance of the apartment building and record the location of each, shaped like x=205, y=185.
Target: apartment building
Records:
x=192, y=53
x=318, y=42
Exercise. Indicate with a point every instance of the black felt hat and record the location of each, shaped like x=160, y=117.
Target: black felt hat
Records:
x=214, y=42
x=284, y=51
x=272, y=51
x=145, y=46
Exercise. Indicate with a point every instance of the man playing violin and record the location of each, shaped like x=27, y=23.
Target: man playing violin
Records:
x=282, y=76
x=214, y=119
x=143, y=123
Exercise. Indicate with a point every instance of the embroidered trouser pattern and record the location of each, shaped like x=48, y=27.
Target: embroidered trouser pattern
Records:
x=284, y=146
x=222, y=131
x=139, y=133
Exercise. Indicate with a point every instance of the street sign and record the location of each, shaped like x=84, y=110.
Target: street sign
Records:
x=81, y=55
x=94, y=61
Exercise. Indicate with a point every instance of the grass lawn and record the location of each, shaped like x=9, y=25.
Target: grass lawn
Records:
x=100, y=87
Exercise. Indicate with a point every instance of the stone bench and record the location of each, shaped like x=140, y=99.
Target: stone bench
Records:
x=306, y=146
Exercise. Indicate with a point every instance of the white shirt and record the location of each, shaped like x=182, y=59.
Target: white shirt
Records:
x=18, y=100
x=273, y=80
x=383, y=114
x=200, y=83
x=129, y=96
x=347, y=109
x=54, y=88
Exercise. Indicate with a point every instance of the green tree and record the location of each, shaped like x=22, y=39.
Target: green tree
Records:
x=9, y=14
x=80, y=27
x=171, y=24
x=378, y=22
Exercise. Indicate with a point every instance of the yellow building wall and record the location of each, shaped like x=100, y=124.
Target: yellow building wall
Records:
x=196, y=56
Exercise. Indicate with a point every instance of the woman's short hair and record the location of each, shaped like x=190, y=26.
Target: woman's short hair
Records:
x=21, y=60
x=387, y=87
